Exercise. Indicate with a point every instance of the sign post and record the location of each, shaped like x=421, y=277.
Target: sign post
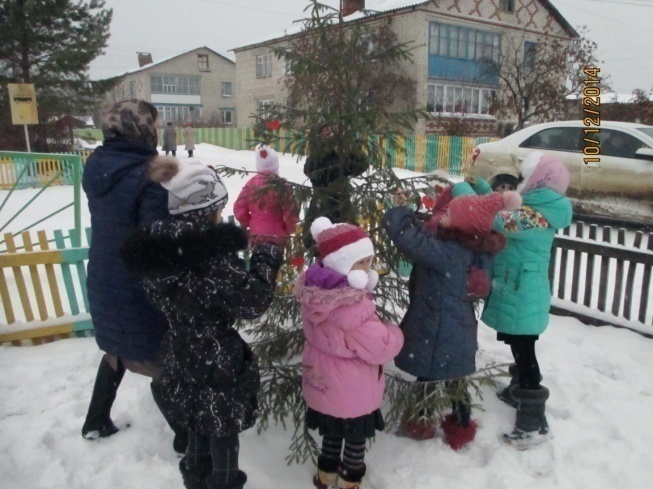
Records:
x=22, y=100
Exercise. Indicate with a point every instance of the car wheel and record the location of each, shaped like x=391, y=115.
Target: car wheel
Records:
x=503, y=183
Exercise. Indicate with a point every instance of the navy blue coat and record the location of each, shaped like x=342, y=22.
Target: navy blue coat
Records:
x=120, y=199
x=440, y=327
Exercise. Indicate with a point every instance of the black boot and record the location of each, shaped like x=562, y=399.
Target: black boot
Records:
x=190, y=153
x=351, y=478
x=504, y=394
x=225, y=473
x=180, y=441
x=531, y=426
x=195, y=467
x=98, y=422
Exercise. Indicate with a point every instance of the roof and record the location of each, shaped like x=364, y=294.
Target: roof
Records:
x=165, y=60
x=395, y=6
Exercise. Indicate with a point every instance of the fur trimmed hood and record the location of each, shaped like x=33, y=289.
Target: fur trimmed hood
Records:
x=174, y=243
x=327, y=299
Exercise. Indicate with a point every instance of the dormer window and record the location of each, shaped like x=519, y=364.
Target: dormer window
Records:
x=203, y=62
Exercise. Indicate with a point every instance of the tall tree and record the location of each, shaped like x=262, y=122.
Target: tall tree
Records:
x=51, y=43
x=535, y=78
x=349, y=75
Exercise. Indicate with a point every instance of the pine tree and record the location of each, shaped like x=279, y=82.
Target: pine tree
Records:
x=349, y=76
x=50, y=43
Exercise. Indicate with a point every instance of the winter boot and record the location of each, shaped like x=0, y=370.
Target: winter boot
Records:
x=458, y=435
x=504, y=394
x=531, y=427
x=98, y=422
x=180, y=441
x=196, y=465
x=190, y=153
x=225, y=473
x=327, y=473
x=350, y=478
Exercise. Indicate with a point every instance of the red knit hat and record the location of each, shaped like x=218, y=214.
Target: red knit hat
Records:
x=340, y=246
x=475, y=214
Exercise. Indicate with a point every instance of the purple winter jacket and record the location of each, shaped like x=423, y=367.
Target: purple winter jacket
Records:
x=346, y=345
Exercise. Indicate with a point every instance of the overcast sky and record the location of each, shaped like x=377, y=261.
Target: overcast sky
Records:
x=622, y=29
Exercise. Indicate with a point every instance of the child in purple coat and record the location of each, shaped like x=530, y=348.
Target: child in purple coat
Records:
x=346, y=347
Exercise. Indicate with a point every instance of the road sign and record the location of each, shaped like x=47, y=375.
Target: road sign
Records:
x=22, y=100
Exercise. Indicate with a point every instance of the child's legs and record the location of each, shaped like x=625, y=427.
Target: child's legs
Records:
x=528, y=369
x=329, y=457
x=224, y=455
x=461, y=402
x=198, y=451
x=353, y=457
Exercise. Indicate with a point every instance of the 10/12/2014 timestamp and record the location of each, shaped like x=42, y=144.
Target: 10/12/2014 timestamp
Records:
x=591, y=115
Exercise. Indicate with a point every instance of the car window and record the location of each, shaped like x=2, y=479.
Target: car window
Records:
x=555, y=138
x=620, y=144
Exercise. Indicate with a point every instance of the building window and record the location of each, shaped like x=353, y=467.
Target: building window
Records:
x=507, y=5
x=452, y=41
x=226, y=89
x=227, y=116
x=178, y=112
x=175, y=84
x=264, y=107
x=203, y=62
x=132, y=88
x=263, y=66
x=287, y=67
x=453, y=99
x=529, y=55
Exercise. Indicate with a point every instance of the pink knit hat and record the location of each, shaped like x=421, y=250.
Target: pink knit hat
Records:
x=340, y=246
x=542, y=170
x=267, y=159
x=474, y=214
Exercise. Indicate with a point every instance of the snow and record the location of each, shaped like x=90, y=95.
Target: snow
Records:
x=601, y=399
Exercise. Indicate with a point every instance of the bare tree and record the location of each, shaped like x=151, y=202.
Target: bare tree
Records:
x=535, y=78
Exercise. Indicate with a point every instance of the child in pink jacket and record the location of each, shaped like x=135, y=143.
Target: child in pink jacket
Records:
x=346, y=347
x=271, y=212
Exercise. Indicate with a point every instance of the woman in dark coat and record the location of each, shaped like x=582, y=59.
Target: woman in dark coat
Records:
x=329, y=174
x=120, y=199
x=192, y=272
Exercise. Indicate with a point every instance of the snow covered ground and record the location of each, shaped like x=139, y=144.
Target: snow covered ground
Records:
x=601, y=398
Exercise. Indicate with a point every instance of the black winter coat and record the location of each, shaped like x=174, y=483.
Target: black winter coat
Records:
x=191, y=271
x=120, y=199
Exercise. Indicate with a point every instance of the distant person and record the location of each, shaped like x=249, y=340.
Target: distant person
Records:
x=170, y=139
x=120, y=199
x=189, y=139
x=619, y=145
x=266, y=205
x=192, y=272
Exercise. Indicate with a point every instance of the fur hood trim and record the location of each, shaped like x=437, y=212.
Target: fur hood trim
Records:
x=330, y=298
x=167, y=245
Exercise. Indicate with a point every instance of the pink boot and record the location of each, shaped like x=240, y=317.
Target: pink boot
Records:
x=457, y=436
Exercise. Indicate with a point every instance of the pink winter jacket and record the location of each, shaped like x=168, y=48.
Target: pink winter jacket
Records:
x=266, y=213
x=346, y=347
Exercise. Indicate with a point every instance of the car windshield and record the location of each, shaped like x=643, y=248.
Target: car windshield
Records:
x=646, y=130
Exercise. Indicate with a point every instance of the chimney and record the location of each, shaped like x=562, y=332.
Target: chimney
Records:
x=144, y=59
x=351, y=6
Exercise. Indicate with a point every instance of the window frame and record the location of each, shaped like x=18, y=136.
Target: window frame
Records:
x=264, y=65
x=200, y=62
x=223, y=86
x=507, y=6
x=459, y=99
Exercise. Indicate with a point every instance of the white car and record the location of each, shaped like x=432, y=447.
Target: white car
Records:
x=610, y=165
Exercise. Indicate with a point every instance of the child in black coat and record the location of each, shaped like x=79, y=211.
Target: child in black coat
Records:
x=191, y=271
